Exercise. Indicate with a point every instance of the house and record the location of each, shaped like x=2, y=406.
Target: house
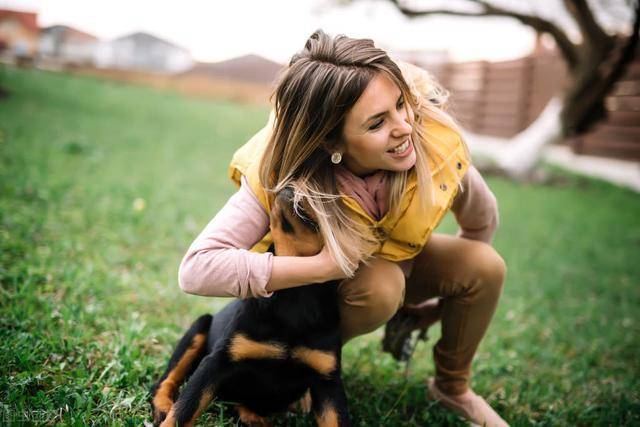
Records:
x=67, y=45
x=247, y=68
x=143, y=52
x=18, y=34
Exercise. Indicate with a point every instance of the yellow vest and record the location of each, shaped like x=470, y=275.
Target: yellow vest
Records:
x=407, y=229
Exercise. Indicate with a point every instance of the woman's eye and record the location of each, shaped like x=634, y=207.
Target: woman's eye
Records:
x=377, y=125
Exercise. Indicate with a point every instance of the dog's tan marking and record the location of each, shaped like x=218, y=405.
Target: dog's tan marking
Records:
x=303, y=405
x=301, y=241
x=250, y=418
x=323, y=362
x=243, y=347
x=163, y=400
x=170, y=421
x=328, y=417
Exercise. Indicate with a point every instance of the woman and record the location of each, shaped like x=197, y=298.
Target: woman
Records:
x=369, y=147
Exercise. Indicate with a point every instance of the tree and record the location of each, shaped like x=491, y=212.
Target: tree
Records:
x=594, y=64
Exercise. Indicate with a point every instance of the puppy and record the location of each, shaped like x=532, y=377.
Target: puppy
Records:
x=262, y=353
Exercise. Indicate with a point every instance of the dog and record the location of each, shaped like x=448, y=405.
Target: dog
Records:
x=264, y=354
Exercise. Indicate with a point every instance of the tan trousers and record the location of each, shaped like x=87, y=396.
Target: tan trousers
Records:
x=467, y=274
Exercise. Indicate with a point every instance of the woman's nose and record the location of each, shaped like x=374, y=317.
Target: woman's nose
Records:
x=403, y=125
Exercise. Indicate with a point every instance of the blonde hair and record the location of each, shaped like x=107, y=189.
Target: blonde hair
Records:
x=312, y=98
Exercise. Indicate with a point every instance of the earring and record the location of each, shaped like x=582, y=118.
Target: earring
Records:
x=336, y=157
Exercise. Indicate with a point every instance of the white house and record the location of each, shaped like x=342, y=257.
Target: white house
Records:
x=67, y=45
x=143, y=52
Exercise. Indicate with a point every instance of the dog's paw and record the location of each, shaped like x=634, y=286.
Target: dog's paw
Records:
x=158, y=417
x=250, y=418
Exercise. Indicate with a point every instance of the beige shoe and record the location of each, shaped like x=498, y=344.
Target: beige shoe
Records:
x=476, y=409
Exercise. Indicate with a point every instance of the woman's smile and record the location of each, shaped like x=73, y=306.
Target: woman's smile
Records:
x=402, y=150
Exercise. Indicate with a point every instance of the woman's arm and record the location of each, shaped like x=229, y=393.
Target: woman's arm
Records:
x=476, y=209
x=218, y=262
x=289, y=272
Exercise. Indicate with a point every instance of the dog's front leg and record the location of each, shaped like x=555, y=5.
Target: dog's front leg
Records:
x=329, y=401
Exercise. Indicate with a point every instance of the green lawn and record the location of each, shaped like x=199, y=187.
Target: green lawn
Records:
x=103, y=187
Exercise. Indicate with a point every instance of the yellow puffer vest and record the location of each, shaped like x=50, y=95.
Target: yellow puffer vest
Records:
x=407, y=230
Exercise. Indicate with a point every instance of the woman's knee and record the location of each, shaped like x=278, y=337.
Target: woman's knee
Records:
x=489, y=267
x=388, y=295
x=380, y=290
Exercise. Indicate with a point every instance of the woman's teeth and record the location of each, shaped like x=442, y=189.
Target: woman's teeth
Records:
x=401, y=148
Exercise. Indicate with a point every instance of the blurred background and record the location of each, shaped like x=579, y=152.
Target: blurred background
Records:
x=118, y=120
x=502, y=61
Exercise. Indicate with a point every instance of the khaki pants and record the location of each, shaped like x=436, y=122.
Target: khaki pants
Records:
x=467, y=274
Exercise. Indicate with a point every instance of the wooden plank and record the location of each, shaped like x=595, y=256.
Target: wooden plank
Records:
x=503, y=133
x=495, y=108
x=632, y=72
x=623, y=118
x=506, y=122
x=510, y=65
x=467, y=93
x=465, y=83
x=623, y=103
x=470, y=103
x=467, y=96
x=609, y=132
x=615, y=149
x=626, y=88
x=464, y=67
x=505, y=73
x=472, y=74
x=508, y=86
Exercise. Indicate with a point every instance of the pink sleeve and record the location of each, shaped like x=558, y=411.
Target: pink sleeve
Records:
x=218, y=263
x=476, y=209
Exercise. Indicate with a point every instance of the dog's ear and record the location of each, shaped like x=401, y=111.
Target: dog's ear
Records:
x=295, y=232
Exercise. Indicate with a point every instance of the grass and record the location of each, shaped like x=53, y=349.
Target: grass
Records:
x=103, y=187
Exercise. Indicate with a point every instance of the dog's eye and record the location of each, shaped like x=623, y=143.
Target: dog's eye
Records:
x=287, y=227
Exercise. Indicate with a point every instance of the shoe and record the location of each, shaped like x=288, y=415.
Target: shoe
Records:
x=398, y=332
x=476, y=409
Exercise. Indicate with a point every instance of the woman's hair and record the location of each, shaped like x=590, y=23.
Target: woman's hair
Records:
x=312, y=98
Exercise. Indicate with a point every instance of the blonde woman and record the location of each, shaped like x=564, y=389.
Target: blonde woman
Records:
x=366, y=142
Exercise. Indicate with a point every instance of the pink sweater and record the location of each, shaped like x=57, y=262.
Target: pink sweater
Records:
x=218, y=263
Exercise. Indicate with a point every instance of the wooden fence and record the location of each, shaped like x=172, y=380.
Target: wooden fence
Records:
x=619, y=135
x=503, y=98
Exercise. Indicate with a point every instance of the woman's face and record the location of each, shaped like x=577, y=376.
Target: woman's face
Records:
x=377, y=130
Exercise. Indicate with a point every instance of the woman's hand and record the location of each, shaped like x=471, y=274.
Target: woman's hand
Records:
x=329, y=267
x=292, y=271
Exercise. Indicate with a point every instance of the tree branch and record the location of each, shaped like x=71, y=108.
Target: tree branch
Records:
x=603, y=83
x=568, y=50
x=582, y=15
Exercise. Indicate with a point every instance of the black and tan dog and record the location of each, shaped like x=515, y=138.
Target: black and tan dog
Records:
x=262, y=353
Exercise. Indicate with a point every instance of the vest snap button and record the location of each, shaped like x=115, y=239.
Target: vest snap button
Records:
x=443, y=187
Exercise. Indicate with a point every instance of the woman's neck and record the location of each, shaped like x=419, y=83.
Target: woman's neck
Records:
x=360, y=173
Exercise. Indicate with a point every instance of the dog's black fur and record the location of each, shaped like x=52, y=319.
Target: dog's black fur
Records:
x=263, y=353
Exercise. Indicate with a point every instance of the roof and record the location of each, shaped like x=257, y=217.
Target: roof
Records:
x=69, y=33
x=141, y=37
x=27, y=19
x=251, y=68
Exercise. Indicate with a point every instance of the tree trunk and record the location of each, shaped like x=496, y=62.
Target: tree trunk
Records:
x=517, y=157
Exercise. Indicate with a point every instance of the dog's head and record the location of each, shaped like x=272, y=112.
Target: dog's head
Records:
x=295, y=232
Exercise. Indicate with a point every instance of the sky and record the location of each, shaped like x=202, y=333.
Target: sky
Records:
x=276, y=29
